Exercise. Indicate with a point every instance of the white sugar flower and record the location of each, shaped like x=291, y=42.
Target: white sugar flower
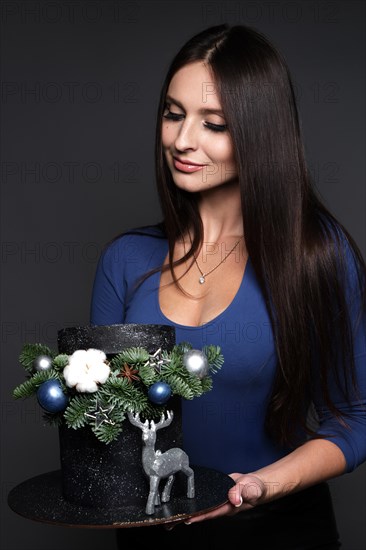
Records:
x=86, y=368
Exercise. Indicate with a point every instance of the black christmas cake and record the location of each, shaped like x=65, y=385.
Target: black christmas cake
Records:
x=115, y=392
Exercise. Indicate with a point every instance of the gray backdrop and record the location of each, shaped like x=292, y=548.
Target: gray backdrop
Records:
x=79, y=91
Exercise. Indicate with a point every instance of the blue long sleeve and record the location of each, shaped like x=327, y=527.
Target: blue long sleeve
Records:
x=350, y=438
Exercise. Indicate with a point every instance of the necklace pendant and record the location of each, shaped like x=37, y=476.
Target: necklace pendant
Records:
x=201, y=280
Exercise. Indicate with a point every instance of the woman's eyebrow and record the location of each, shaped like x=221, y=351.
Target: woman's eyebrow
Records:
x=203, y=111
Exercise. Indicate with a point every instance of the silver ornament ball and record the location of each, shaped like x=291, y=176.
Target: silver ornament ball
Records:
x=195, y=361
x=42, y=363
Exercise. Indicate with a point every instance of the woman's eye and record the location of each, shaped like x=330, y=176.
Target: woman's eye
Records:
x=216, y=127
x=172, y=116
x=209, y=125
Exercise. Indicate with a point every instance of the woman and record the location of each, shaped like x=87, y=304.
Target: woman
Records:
x=248, y=258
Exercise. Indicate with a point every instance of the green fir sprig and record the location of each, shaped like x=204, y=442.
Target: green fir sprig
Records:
x=30, y=352
x=132, y=373
x=30, y=386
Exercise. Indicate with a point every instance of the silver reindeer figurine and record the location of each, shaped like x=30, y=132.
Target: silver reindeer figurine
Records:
x=158, y=465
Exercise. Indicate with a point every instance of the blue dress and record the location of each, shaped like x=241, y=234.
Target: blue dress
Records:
x=224, y=429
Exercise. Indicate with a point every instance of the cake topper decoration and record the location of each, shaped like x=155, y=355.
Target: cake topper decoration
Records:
x=157, y=360
x=128, y=372
x=157, y=465
x=86, y=369
x=42, y=363
x=86, y=389
x=100, y=414
x=51, y=397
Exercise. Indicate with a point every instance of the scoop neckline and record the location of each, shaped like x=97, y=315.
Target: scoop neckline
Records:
x=212, y=321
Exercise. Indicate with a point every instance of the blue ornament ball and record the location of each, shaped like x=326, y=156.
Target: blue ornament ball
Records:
x=159, y=393
x=51, y=397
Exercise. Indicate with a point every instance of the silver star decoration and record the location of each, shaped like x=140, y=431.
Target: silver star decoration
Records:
x=156, y=360
x=100, y=415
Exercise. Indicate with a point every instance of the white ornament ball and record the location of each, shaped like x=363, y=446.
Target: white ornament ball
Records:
x=196, y=363
x=42, y=363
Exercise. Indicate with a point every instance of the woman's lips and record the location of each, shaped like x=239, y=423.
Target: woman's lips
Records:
x=187, y=167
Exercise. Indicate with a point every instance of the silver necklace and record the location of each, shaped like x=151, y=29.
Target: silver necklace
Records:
x=202, y=279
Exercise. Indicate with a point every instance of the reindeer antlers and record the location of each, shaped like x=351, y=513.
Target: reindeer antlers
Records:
x=135, y=420
x=163, y=422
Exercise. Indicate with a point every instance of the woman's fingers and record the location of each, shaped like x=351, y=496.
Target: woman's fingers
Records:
x=248, y=491
x=223, y=510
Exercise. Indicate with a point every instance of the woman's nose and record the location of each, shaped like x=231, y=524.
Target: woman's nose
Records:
x=187, y=137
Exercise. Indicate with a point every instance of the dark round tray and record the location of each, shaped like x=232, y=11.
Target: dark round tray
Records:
x=40, y=499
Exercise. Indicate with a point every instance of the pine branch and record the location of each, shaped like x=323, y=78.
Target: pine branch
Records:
x=104, y=411
x=30, y=352
x=60, y=361
x=181, y=348
x=206, y=384
x=151, y=411
x=76, y=410
x=127, y=397
x=214, y=357
x=147, y=375
x=182, y=387
x=120, y=386
x=30, y=386
x=106, y=433
x=54, y=419
x=132, y=356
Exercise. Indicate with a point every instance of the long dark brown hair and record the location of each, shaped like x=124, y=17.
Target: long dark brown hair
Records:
x=295, y=244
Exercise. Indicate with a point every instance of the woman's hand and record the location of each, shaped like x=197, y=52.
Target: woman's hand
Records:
x=313, y=462
x=248, y=491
